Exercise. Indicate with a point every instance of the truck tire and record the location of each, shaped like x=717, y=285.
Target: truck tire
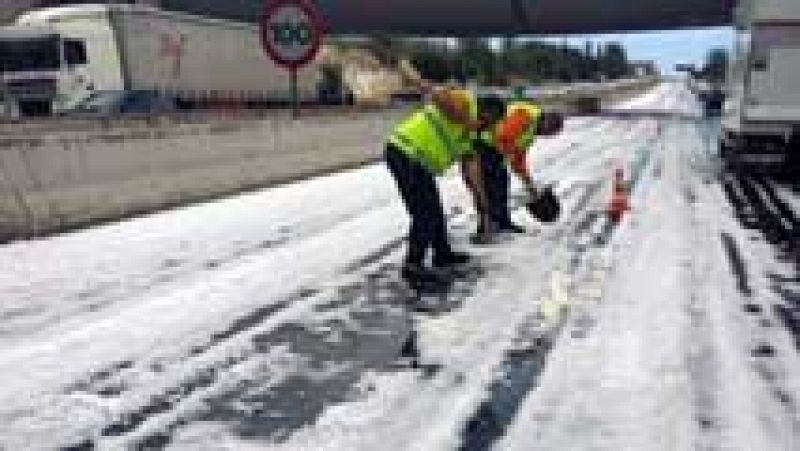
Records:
x=793, y=158
x=35, y=108
x=728, y=157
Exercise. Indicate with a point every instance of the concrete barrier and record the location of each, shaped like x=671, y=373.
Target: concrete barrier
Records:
x=54, y=180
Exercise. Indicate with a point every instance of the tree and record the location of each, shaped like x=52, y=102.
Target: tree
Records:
x=386, y=48
x=589, y=71
x=515, y=60
x=476, y=60
x=433, y=60
x=614, y=61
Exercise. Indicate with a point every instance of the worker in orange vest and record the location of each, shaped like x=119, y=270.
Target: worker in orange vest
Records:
x=508, y=143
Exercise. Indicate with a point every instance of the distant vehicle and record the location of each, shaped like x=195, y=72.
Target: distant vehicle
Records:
x=761, y=122
x=122, y=58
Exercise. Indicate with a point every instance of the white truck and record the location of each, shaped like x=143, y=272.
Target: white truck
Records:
x=117, y=58
x=761, y=121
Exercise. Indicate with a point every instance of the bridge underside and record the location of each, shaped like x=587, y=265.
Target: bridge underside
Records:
x=489, y=17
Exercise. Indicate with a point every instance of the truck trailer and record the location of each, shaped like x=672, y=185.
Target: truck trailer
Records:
x=117, y=58
x=761, y=121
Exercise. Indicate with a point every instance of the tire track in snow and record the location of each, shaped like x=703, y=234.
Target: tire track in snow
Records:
x=778, y=223
x=167, y=400
x=737, y=264
x=590, y=230
x=702, y=357
x=363, y=314
x=96, y=382
x=520, y=370
x=205, y=377
x=521, y=367
x=760, y=210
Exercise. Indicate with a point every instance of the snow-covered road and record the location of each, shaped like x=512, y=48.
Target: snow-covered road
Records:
x=274, y=320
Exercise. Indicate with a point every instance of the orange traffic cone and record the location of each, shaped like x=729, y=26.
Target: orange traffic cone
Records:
x=619, y=203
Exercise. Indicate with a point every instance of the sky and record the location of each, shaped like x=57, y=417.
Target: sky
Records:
x=667, y=48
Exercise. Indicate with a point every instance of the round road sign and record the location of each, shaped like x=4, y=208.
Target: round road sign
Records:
x=291, y=32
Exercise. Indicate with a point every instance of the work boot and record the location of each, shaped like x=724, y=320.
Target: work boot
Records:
x=481, y=238
x=483, y=235
x=510, y=227
x=417, y=276
x=450, y=259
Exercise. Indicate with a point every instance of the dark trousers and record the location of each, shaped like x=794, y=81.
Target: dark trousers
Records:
x=495, y=183
x=421, y=197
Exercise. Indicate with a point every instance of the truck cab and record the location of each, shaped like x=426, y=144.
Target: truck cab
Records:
x=41, y=71
x=761, y=122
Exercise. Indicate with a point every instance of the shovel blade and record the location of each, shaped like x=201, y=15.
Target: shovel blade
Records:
x=546, y=207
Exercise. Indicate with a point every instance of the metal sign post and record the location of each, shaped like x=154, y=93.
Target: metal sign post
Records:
x=295, y=95
x=291, y=34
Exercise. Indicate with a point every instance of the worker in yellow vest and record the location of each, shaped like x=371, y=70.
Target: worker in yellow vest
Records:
x=423, y=146
x=507, y=142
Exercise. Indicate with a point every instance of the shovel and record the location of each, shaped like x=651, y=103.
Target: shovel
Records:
x=544, y=205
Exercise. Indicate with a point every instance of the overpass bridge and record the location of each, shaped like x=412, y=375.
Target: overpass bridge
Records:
x=465, y=17
x=491, y=17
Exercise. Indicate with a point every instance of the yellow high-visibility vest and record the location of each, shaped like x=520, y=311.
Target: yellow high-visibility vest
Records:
x=429, y=137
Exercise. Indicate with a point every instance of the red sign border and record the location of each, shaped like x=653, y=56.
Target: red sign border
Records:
x=317, y=28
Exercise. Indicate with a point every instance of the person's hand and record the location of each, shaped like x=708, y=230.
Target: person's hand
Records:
x=476, y=125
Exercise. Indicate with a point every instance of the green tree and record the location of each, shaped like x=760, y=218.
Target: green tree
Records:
x=476, y=59
x=387, y=49
x=614, y=61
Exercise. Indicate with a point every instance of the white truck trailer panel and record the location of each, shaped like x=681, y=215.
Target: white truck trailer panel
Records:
x=772, y=10
x=195, y=57
x=763, y=105
x=774, y=88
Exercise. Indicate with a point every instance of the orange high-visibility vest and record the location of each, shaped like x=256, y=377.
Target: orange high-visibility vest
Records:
x=515, y=134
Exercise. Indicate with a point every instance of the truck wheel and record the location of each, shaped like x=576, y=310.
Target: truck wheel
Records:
x=724, y=151
x=35, y=108
x=793, y=159
x=727, y=157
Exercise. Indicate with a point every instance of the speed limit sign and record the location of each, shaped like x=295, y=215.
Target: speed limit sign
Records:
x=291, y=32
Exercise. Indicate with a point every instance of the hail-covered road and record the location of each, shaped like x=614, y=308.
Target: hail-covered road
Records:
x=274, y=320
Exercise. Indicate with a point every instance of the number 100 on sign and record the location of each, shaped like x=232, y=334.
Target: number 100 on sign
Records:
x=290, y=34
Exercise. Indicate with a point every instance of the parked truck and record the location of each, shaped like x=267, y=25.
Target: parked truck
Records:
x=118, y=58
x=761, y=121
